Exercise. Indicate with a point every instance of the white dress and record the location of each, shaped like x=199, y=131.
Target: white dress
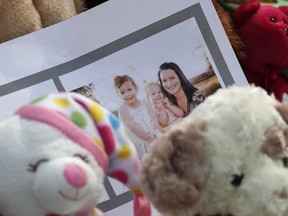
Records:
x=143, y=119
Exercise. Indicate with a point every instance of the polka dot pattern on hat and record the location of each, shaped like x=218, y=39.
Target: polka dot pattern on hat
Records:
x=61, y=102
x=96, y=112
x=78, y=119
x=120, y=175
x=108, y=138
x=102, y=126
x=124, y=152
x=104, y=129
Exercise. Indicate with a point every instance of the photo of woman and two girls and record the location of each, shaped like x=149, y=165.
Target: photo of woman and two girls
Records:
x=168, y=100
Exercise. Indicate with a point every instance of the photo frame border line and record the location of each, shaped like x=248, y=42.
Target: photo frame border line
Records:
x=94, y=55
x=58, y=84
x=213, y=47
x=109, y=189
x=104, y=51
x=115, y=202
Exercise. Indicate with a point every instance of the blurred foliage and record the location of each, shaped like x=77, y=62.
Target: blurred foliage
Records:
x=87, y=91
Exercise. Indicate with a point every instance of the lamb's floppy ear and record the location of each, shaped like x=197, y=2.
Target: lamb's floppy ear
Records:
x=173, y=172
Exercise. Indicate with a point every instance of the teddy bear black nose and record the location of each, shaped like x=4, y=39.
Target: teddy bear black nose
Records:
x=237, y=179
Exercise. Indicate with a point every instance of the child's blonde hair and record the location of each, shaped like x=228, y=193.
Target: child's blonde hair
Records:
x=120, y=80
x=147, y=88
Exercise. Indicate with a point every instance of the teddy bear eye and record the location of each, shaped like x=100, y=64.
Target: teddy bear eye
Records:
x=272, y=19
x=237, y=179
x=282, y=21
x=33, y=167
x=82, y=157
x=285, y=162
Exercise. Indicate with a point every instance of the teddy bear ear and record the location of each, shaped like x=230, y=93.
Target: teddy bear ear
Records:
x=173, y=172
x=284, y=9
x=244, y=11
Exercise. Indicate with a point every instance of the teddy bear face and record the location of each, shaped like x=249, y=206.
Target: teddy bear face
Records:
x=45, y=173
x=264, y=31
x=227, y=158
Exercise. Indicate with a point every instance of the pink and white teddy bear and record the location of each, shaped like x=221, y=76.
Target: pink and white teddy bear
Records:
x=55, y=154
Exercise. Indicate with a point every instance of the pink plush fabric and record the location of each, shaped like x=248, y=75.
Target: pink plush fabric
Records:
x=95, y=129
x=264, y=31
x=55, y=119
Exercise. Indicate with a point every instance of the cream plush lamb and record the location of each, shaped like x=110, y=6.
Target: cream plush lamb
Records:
x=228, y=158
x=55, y=153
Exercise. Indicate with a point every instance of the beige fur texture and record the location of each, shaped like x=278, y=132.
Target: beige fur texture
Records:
x=228, y=157
x=176, y=162
x=275, y=144
x=20, y=17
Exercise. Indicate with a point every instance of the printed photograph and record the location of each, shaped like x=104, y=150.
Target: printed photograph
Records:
x=151, y=73
x=150, y=85
x=155, y=83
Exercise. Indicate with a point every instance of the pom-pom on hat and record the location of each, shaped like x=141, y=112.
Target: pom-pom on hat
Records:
x=98, y=131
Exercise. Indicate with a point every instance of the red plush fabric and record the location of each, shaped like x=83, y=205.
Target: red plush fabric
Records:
x=264, y=31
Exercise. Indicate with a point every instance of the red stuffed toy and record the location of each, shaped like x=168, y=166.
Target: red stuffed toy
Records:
x=264, y=31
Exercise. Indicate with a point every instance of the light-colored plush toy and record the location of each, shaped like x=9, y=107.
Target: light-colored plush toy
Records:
x=55, y=153
x=228, y=158
x=20, y=17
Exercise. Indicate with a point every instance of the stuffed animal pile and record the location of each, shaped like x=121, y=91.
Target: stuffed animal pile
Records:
x=264, y=31
x=228, y=157
x=55, y=153
x=227, y=23
x=18, y=18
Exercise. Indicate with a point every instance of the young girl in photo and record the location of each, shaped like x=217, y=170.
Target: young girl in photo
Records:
x=136, y=114
x=165, y=112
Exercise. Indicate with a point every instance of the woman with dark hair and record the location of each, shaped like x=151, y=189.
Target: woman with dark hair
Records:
x=177, y=88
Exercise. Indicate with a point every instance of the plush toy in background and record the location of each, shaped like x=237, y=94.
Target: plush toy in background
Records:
x=55, y=153
x=235, y=41
x=18, y=18
x=264, y=31
x=228, y=157
x=231, y=5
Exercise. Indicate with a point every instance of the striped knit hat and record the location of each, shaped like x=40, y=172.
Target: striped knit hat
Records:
x=95, y=129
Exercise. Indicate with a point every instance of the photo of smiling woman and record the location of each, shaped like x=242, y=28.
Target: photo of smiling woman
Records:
x=177, y=88
x=135, y=113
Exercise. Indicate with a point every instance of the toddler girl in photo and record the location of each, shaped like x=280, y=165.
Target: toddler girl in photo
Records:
x=165, y=112
x=136, y=114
